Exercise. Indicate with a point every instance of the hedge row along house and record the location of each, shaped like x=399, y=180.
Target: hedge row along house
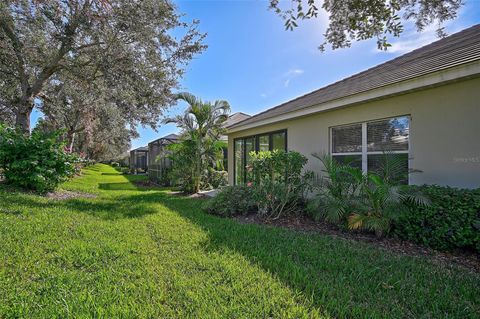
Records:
x=423, y=107
x=154, y=158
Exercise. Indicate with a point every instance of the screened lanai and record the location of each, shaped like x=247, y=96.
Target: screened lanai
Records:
x=139, y=160
x=158, y=161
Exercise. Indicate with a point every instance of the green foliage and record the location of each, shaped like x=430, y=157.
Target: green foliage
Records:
x=118, y=254
x=356, y=20
x=231, y=201
x=36, y=162
x=369, y=201
x=278, y=182
x=144, y=47
x=200, y=148
x=216, y=179
x=451, y=221
x=336, y=191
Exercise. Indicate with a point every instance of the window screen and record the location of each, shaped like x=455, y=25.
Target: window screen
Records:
x=347, y=139
x=385, y=150
x=244, y=146
x=239, y=162
x=390, y=135
x=264, y=142
x=279, y=141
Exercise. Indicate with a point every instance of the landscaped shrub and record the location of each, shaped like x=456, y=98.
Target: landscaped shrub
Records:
x=216, y=179
x=36, y=162
x=451, y=221
x=371, y=201
x=231, y=201
x=278, y=183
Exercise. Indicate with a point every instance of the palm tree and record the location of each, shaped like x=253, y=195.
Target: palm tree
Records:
x=201, y=128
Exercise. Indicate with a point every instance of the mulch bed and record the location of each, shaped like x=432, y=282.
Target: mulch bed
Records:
x=63, y=195
x=465, y=259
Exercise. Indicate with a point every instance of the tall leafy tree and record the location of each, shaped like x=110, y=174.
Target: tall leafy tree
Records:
x=354, y=20
x=201, y=128
x=128, y=44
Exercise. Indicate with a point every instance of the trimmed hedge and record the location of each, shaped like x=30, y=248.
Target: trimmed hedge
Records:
x=451, y=221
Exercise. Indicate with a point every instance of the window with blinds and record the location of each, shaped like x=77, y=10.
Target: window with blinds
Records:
x=374, y=146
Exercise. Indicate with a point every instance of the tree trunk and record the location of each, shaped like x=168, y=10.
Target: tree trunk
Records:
x=70, y=140
x=22, y=119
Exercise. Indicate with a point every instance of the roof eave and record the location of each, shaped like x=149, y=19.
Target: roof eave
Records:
x=460, y=72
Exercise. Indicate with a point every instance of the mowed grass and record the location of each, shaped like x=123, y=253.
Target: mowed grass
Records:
x=133, y=252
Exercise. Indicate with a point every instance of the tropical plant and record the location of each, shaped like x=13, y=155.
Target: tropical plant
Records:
x=336, y=190
x=199, y=147
x=368, y=201
x=278, y=182
x=380, y=203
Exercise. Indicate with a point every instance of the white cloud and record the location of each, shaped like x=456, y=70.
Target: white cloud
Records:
x=290, y=74
x=411, y=39
x=293, y=72
x=264, y=95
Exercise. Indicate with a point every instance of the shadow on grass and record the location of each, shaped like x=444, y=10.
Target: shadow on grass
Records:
x=344, y=278
x=348, y=279
x=120, y=186
x=107, y=209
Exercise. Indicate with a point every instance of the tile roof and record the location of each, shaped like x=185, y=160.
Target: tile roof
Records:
x=459, y=48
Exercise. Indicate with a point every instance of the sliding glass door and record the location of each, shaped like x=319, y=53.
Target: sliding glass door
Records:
x=245, y=145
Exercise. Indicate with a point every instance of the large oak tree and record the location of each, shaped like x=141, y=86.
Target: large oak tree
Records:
x=135, y=47
x=354, y=20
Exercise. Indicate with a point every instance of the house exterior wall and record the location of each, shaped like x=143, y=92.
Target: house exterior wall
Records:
x=444, y=132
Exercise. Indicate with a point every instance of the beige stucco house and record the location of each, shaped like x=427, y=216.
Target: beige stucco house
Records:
x=423, y=106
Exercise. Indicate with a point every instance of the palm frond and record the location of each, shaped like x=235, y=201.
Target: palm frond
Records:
x=188, y=97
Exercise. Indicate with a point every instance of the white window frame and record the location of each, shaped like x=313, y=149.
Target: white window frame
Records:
x=364, y=147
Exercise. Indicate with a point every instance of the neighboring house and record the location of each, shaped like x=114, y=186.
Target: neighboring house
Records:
x=423, y=106
x=139, y=160
x=235, y=118
x=158, y=161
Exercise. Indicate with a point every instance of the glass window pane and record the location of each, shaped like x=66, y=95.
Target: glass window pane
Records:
x=391, y=166
x=279, y=141
x=263, y=142
x=239, y=165
x=347, y=139
x=249, y=147
x=388, y=135
x=352, y=160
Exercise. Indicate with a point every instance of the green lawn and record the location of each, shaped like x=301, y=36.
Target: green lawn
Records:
x=136, y=252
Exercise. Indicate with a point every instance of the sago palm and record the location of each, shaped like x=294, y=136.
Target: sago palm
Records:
x=382, y=196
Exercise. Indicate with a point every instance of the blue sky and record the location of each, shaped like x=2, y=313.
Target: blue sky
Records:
x=254, y=64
